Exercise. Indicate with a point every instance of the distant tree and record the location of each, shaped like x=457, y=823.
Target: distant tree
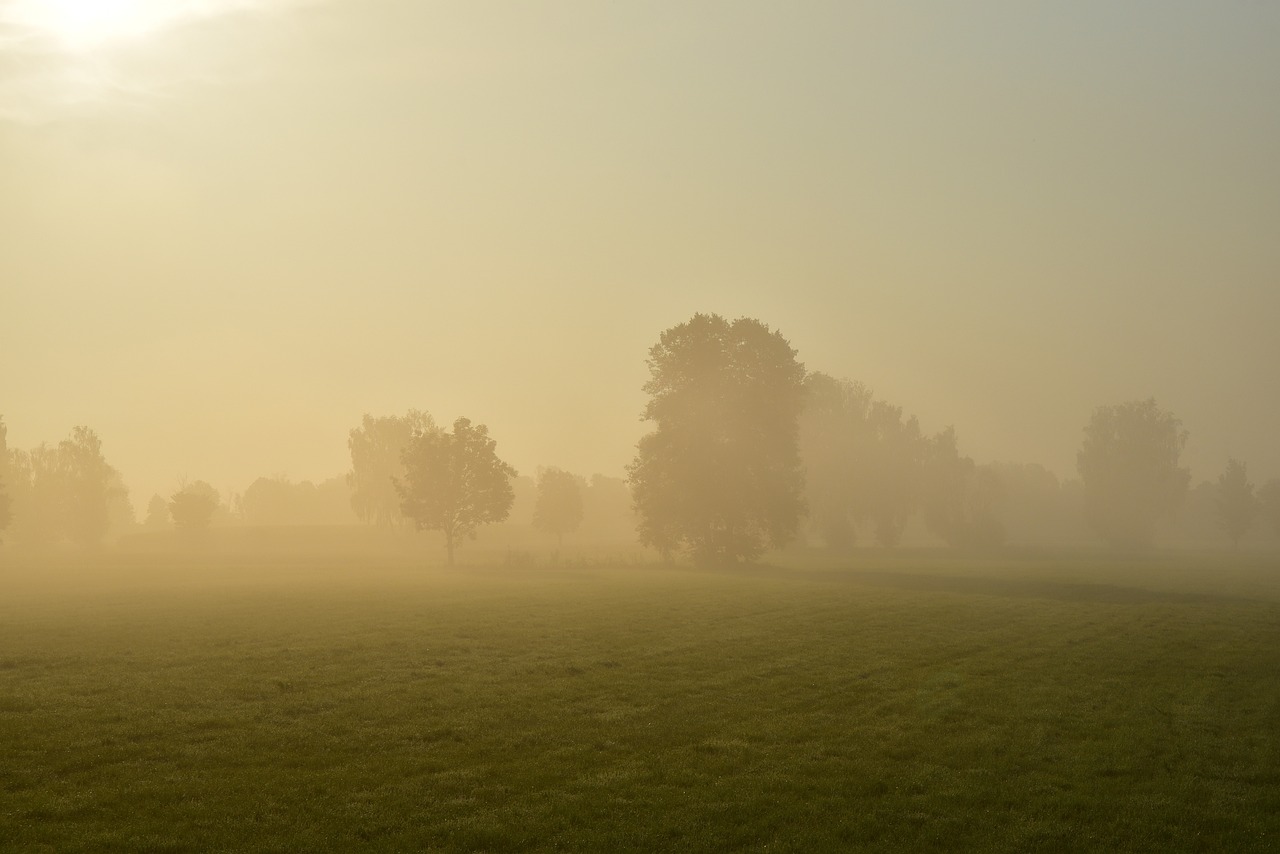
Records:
x=193, y=506
x=894, y=471
x=836, y=446
x=90, y=488
x=720, y=478
x=377, y=448
x=559, y=507
x=1129, y=466
x=959, y=504
x=157, y=514
x=6, y=512
x=454, y=481
x=1269, y=499
x=1236, y=503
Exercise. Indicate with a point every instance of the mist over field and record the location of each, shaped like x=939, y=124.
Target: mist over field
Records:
x=468, y=426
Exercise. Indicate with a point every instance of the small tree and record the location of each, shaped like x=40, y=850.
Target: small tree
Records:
x=1129, y=466
x=157, y=514
x=193, y=505
x=454, y=482
x=1237, y=505
x=559, y=507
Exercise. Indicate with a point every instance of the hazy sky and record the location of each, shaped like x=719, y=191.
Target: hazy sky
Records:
x=228, y=228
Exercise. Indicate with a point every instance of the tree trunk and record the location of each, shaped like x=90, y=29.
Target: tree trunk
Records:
x=448, y=544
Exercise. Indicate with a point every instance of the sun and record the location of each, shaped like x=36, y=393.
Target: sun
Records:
x=79, y=25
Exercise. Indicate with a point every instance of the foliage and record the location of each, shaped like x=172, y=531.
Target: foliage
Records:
x=559, y=507
x=1129, y=466
x=377, y=449
x=192, y=507
x=157, y=514
x=720, y=477
x=836, y=444
x=959, y=497
x=1269, y=502
x=454, y=482
x=1236, y=503
x=279, y=501
x=64, y=492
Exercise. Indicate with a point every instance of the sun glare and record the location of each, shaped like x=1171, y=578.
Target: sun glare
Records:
x=87, y=24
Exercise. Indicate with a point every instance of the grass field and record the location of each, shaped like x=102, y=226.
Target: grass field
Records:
x=911, y=703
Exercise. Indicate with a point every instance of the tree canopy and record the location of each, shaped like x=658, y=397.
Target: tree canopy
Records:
x=454, y=482
x=1237, y=504
x=720, y=476
x=377, y=449
x=1129, y=465
x=558, y=510
x=192, y=507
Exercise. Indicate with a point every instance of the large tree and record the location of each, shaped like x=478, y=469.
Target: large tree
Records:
x=377, y=448
x=454, y=482
x=558, y=510
x=1129, y=466
x=1236, y=503
x=720, y=476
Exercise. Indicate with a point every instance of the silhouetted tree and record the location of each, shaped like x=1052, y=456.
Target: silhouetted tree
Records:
x=1236, y=503
x=720, y=477
x=1129, y=466
x=6, y=515
x=1269, y=500
x=192, y=507
x=959, y=498
x=157, y=514
x=279, y=501
x=454, y=481
x=377, y=448
x=559, y=507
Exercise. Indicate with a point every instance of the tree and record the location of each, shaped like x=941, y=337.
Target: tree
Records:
x=157, y=514
x=1236, y=504
x=1129, y=466
x=6, y=512
x=193, y=505
x=720, y=478
x=454, y=482
x=559, y=506
x=377, y=448
x=835, y=444
x=1269, y=501
x=959, y=497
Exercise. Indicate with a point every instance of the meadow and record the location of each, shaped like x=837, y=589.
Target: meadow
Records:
x=909, y=702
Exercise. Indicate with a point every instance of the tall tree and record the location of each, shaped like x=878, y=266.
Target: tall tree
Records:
x=720, y=477
x=959, y=498
x=454, y=482
x=1236, y=503
x=558, y=510
x=1129, y=466
x=835, y=441
x=377, y=448
x=91, y=487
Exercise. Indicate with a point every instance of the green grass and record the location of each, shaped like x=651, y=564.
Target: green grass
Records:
x=908, y=704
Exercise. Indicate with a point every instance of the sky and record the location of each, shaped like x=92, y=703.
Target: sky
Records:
x=228, y=228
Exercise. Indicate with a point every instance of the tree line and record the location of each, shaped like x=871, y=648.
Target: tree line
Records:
x=748, y=451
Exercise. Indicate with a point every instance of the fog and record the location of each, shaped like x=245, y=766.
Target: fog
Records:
x=252, y=226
